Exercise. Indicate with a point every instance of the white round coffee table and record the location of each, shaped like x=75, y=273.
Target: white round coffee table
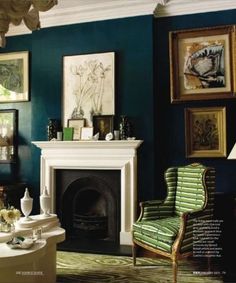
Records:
x=36, y=264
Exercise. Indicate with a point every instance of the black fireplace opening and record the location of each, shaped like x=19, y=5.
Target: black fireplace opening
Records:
x=90, y=215
x=88, y=206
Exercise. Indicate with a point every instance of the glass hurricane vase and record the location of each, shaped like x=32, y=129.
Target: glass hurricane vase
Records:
x=5, y=227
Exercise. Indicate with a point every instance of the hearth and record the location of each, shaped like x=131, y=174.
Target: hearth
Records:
x=88, y=206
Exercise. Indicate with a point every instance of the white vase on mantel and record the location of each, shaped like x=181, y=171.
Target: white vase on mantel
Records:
x=45, y=202
x=26, y=204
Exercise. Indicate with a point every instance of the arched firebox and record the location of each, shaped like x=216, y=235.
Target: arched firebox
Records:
x=89, y=207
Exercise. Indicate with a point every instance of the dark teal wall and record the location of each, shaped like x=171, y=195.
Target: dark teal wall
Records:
x=132, y=41
x=142, y=63
x=169, y=121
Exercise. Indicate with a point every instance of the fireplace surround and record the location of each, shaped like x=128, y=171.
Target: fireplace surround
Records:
x=95, y=155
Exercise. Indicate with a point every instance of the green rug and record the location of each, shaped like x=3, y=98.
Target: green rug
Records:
x=90, y=268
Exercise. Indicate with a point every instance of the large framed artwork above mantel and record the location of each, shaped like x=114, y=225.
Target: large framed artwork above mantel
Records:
x=88, y=86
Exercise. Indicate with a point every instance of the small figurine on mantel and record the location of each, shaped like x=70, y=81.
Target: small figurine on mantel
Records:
x=26, y=204
x=54, y=126
x=126, y=128
x=109, y=137
x=45, y=202
x=96, y=137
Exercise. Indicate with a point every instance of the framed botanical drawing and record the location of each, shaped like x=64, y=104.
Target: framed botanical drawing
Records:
x=202, y=64
x=205, y=132
x=88, y=86
x=103, y=124
x=14, y=76
x=77, y=124
x=8, y=135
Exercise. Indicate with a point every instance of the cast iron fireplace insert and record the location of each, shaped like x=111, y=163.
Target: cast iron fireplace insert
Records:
x=88, y=206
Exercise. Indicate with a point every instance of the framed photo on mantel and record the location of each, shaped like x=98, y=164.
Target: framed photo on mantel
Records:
x=103, y=124
x=77, y=125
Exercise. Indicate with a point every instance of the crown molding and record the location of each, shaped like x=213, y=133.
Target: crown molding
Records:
x=185, y=7
x=68, y=12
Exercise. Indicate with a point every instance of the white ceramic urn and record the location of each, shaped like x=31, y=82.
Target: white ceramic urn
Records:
x=26, y=204
x=45, y=202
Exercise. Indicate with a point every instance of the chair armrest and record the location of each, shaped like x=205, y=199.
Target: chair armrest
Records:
x=185, y=236
x=184, y=240
x=206, y=213
x=151, y=203
x=188, y=218
x=192, y=214
x=154, y=209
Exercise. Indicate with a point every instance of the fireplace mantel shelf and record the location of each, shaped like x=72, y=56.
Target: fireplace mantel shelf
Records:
x=88, y=144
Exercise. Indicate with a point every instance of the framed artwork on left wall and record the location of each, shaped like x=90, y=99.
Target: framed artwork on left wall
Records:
x=8, y=135
x=14, y=76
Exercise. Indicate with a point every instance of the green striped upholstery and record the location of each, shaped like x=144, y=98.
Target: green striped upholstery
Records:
x=190, y=189
x=159, y=233
x=190, y=193
x=207, y=186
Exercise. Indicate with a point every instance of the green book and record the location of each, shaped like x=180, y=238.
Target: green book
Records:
x=68, y=134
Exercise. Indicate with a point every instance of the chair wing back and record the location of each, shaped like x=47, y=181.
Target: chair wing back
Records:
x=192, y=188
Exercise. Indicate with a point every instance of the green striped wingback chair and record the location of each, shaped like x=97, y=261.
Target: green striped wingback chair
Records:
x=166, y=227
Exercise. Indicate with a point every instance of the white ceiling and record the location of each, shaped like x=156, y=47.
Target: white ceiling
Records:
x=79, y=11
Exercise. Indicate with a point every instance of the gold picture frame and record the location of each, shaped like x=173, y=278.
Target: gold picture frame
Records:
x=202, y=63
x=205, y=132
x=14, y=77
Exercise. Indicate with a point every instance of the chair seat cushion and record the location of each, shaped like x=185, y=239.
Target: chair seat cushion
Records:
x=164, y=230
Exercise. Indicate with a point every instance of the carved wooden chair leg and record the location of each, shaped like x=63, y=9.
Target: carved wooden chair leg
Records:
x=209, y=263
x=175, y=269
x=134, y=251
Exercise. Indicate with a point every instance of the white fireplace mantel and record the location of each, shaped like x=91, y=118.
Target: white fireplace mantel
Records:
x=98, y=155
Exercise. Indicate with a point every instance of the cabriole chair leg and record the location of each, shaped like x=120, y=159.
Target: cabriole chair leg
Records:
x=175, y=269
x=134, y=248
